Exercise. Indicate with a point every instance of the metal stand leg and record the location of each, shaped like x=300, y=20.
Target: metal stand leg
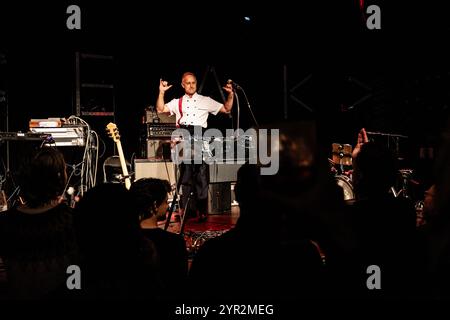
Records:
x=183, y=217
x=174, y=200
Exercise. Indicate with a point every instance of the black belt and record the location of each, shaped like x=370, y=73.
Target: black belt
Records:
x=193, y=129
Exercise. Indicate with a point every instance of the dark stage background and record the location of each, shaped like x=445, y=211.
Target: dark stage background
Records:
x=393, y=80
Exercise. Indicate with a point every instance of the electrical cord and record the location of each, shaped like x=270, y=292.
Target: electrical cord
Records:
x=89, y=162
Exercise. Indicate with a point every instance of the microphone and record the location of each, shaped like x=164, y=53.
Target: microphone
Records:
x=234, y=84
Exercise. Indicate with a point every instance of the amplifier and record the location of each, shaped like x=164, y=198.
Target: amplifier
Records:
x=151, y=116
x=160, y=130
x=144, y=168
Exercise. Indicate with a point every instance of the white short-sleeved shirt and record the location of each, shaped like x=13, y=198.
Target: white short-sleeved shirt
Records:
x=195, y=110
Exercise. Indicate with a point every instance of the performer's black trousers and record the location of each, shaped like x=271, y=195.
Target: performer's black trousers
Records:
x=194, y=178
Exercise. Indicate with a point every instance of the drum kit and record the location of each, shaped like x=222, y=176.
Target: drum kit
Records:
x=341, y=167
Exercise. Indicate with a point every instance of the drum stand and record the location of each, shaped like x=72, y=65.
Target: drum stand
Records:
x=404, y=191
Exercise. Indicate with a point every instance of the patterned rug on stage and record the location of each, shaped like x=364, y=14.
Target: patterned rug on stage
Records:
x=195, y=239
x=196, y=233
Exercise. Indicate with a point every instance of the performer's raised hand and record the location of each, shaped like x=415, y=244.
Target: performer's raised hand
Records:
x=228, y=87
x=362, y=138
x=164, y=85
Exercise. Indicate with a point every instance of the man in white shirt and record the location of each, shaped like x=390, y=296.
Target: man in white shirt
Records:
x=192, y=110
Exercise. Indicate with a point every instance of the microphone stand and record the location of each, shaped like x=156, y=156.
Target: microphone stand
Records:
x=238, y=113
x=249, y=107
x=238, y=87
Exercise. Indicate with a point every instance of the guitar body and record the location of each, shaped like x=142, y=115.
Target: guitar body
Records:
x=113, y=132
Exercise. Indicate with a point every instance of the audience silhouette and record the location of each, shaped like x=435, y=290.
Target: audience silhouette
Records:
x=150, y=196
x=117, y=260
x=37, y=238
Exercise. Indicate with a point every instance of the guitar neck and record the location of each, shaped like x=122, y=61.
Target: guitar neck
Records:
x=123, y=164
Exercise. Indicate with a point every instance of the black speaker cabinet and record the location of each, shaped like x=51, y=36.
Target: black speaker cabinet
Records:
x=219, y=198
x=223, y=172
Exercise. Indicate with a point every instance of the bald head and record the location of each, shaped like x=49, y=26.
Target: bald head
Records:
x=189, y=83
x=187, y=74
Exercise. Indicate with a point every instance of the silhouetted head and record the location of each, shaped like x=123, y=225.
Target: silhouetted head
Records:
x=43, y=178
x=247, y=186
x=374, y=170
x=106, y=220
x=299, y=160
x=442, y=175
x=150, y=197
x=302, y=190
